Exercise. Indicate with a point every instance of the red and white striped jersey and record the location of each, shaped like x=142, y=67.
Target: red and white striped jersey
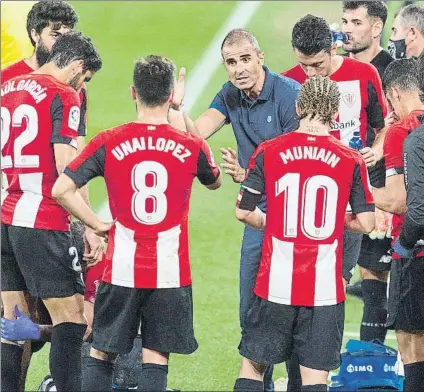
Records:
x=149, y=171
x=362, y=104
x=37, y=112
x=308, y=182
x=22, y=68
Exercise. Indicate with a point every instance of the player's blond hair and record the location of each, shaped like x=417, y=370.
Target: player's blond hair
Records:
x=319, y=99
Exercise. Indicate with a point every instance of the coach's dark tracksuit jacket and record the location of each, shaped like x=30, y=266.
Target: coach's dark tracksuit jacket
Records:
x=413, y=160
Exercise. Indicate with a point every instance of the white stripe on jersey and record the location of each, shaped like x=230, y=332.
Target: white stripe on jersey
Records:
x=325, y=270
x=168, y=267
x=26, y=209
x=349, y=109
x=4, y=186
x=281, y=272
x=123, y=258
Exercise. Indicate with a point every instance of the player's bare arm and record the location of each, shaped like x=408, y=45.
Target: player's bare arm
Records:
x=210, y=122
x=391, y=198
x=247, y=212
x=65, y=192
x=63, y=155
x=363, y=222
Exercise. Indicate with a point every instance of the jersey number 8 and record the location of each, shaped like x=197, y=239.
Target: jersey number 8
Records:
x=154, y=192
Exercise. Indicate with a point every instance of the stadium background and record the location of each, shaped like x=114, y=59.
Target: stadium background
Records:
x=190, y=33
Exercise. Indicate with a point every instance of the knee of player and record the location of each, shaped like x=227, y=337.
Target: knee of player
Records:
x=103, y=356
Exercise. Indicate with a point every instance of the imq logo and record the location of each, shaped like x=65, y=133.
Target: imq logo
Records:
x=365, y=368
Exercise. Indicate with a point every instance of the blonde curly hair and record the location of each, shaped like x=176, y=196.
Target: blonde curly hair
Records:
x=319, y=99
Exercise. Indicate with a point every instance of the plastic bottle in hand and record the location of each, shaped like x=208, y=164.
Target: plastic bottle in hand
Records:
x=338, y=37
x=356, y=142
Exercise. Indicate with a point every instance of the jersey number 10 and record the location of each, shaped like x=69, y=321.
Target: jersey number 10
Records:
x=307, y=204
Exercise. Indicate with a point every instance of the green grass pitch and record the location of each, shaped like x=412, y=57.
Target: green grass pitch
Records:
x=124, y=31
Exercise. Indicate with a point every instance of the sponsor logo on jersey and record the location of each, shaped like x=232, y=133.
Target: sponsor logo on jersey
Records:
x=349, y=99
x=347, y=126
x=364, y=368
x=74, y=118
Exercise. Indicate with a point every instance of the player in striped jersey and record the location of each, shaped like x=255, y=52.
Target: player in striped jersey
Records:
x=40, y=117
x=149, y=168
x=308, y=177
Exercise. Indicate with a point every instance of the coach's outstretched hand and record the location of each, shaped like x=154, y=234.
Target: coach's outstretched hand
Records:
x=179, y=90
x=231, y=165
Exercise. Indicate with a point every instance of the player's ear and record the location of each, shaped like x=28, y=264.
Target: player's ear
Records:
x=133, y=93
x=35, y=36
x=171, y=97
x=298, y=110
x=261, y=56
x=377, y=29
x=335, y=116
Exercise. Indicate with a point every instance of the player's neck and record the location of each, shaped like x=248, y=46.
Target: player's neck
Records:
x=367, y=55
x=32, y=62
x=313, y=127
x=155, y=116
x=60, y=74
x=336, y=63
x=411, y=103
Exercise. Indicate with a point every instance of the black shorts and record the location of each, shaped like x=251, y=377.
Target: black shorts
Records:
x=375, y=254
x=406, y=295
x=166, y=317
x=43, y=262
x=351, y=249
x=274, y=331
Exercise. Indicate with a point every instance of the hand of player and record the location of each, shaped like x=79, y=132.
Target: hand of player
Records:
x=103, y=229
x=20, y=329
x=231, y=165
x=383, y=225
x=369, y=156
x=179, y=90
x=390, y=119
x=93, y=250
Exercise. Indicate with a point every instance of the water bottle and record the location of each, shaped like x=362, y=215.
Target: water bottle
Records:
x=356, y=142
x=338, y=37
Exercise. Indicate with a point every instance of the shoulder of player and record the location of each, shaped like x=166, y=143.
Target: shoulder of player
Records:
x=346, y=150
x=11, y=71
x=295, y=73
x=363, y=70
x=285, y=84
x=383, y=57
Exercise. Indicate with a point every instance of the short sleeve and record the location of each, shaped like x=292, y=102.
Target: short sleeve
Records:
x=65, y=116
x=90, y=163
x=255, y=178
x=218, y=103
x=289, y=119
x=207, y=169
x=392, y=149
x=361, y=199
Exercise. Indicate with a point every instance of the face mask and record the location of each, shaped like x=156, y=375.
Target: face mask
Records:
x=397, y=49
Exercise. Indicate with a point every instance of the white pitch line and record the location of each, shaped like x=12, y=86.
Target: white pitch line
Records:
x=205, y=68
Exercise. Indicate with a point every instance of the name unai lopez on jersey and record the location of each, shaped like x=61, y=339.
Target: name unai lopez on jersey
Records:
x=160, y=144
x=37, y=92
x=308, y=152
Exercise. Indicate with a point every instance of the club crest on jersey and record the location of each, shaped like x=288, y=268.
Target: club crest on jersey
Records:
x=74, y=118
x=349, y=99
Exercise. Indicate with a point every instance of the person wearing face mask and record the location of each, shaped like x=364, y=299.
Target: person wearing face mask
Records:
x=407, y=38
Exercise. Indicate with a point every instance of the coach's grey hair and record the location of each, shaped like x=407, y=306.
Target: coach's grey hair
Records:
x=412, y=16
x=237, y=35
